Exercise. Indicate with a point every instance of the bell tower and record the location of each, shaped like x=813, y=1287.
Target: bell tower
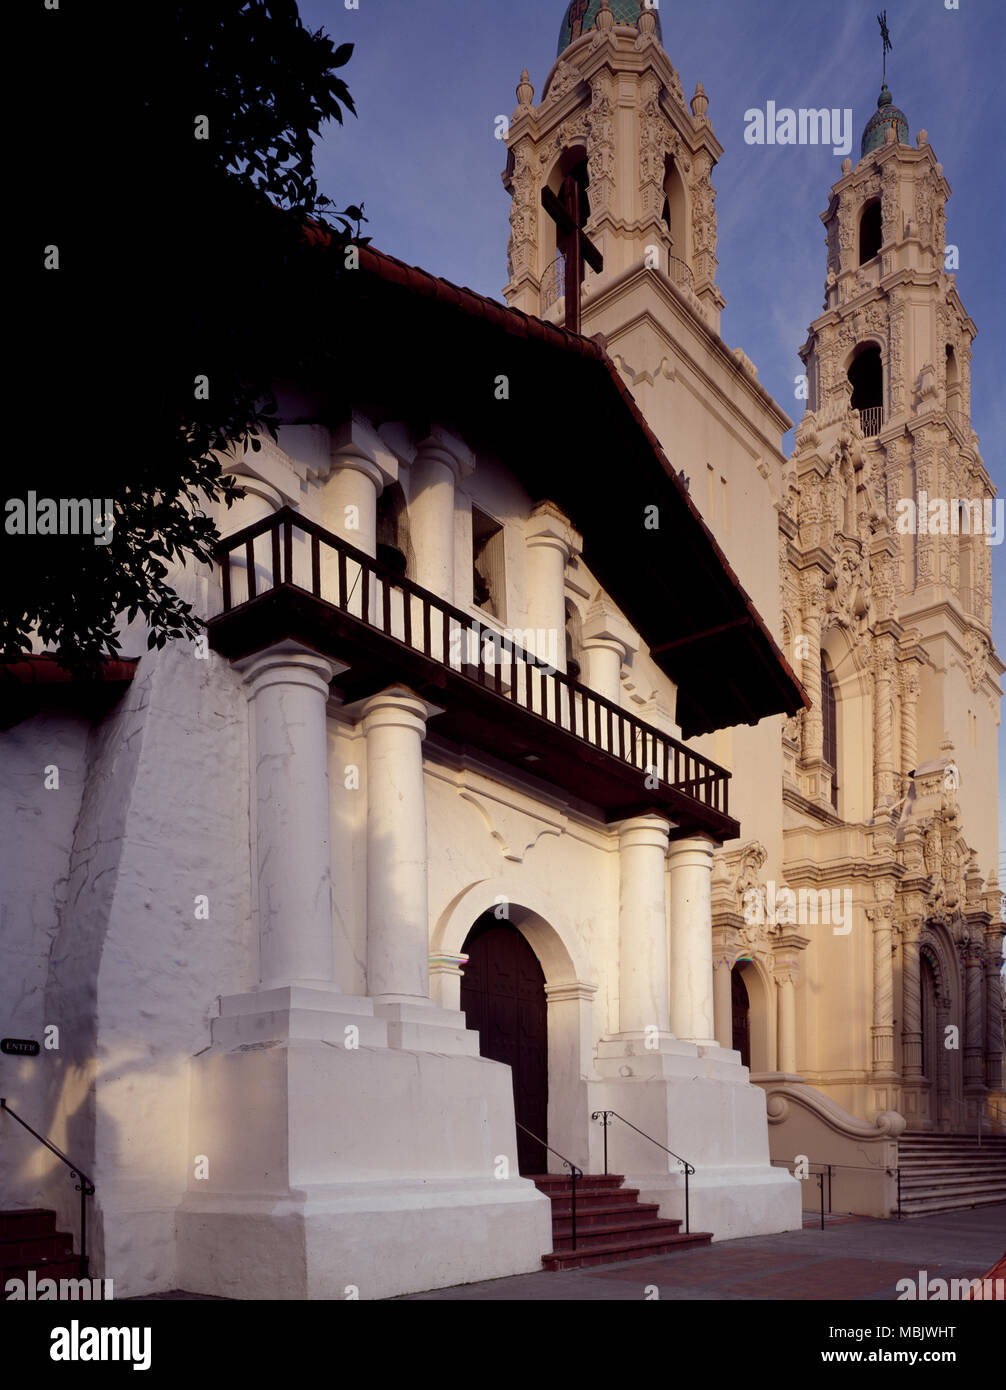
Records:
x=613, y=114
x=885, y=525
x=892, y=498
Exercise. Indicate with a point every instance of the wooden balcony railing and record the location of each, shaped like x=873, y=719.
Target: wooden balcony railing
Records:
x=287, y=551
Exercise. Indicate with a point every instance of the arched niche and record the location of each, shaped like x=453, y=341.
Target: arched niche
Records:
x=761, y=1013
x=853, y=690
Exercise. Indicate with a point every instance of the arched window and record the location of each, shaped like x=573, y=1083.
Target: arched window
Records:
x=866, y=374
x=829, y=719
x=871, y=233
x=954, y=399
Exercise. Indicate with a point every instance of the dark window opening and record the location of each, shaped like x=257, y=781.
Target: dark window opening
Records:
x=829, y=716
x=572, y=641
x=393, y=530
x=488, y=582
x=871, y=233
x=866, y=374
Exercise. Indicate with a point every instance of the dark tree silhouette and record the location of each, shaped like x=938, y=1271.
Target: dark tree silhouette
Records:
x=176, y=154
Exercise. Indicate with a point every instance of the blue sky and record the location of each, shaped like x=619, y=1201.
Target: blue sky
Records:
x=429, y=79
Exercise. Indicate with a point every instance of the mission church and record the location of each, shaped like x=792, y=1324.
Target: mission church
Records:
x=399, y=929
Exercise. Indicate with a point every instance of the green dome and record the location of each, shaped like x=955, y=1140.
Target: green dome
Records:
x=875, y=134
x=581, y=16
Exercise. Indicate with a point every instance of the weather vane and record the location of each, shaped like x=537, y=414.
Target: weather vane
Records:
x=885, y=34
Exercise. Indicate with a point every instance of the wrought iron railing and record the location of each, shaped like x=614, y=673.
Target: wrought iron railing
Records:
x=871, y=420
x=686, y=1167
x=824, y=1172
x=288, y=549
x=83, y=1185
x=575, y=1174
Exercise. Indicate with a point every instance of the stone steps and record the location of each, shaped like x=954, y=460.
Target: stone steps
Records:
x=950, y=1172
x=29, y=1241
x=611, y=1223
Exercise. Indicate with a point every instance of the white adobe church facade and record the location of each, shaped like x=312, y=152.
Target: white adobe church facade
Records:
x=453, y=766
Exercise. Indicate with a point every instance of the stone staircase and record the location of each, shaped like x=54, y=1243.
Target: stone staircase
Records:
x=946, y=1172
x=29, y=1240
x=611, y=1223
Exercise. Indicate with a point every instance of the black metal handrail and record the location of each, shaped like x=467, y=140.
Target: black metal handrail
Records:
x=575, y=1173
x=84, y=1186
x=826, y=1168
x=686, y=1167
x=445, y=634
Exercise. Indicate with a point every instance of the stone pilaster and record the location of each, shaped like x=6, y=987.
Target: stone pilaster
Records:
x=911, y=1000
x=882, y=1031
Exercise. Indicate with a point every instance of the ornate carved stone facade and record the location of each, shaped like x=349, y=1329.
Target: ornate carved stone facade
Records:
x=895, y=609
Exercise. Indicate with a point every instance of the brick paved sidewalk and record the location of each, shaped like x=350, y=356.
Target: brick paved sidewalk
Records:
x=854, y=1260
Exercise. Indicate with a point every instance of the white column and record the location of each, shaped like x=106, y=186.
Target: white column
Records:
x=349, y=504
x=441, y=461
x=288, y=690
x=642, y=924
x=260, y=500
x=691, y=866
x=398, y=949
x=607, y=641
x=551, y=541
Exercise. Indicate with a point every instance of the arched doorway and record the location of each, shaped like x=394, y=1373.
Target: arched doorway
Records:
x=503, y=998
x=741, y=1009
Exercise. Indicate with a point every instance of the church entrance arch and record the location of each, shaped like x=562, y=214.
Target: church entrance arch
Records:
x=503, y=998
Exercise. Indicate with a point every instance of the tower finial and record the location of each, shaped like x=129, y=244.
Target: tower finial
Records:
x=647, y=21
x=525, y=91
x=886, y=40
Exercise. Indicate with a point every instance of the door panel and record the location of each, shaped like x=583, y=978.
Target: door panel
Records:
x=503, y=997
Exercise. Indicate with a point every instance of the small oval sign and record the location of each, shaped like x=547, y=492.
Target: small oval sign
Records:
x=19, y=1047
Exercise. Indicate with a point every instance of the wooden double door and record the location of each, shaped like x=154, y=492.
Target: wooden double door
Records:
x=503, y=997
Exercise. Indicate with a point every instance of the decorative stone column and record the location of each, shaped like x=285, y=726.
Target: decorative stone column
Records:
x=642, y=925
x=441, y=461
x=785, y=968
x=607, y=640
x=397, y=907
x=288, y=690
x=909, y=718
x=551, y=541
x=816, y=779
x=974, y=1029
x=692, y=1014
x=883, y=990
x=883, y=677
x=911, y=1000
x=993, y=1007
